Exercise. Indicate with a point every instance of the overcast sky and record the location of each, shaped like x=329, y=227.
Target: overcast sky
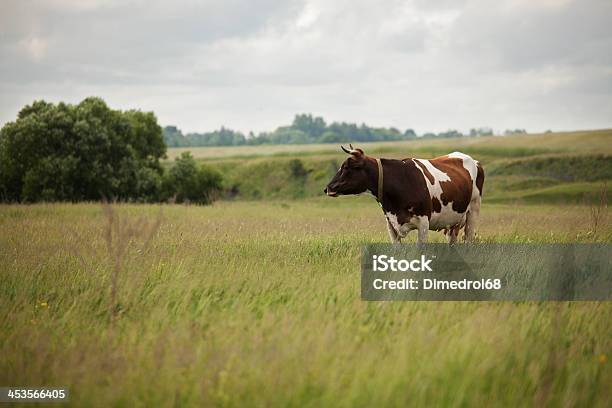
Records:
x=251, y=65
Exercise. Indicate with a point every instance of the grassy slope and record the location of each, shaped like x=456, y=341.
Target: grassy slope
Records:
x=588, y=141
x=557, y=167
x=257, y=304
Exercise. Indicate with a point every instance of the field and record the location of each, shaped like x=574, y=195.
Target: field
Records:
x=589, y=141
x=256, y=303
x=555, y=168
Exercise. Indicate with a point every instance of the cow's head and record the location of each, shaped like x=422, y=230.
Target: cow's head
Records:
x=352, y=177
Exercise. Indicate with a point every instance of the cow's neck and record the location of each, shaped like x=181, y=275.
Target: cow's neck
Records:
x=388, y=192
x=387, y=189
x=372, y=172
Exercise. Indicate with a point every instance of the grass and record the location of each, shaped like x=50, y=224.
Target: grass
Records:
x=541, y=168
x=257, y=304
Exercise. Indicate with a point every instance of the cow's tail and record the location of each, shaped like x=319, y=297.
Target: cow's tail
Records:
x=480, y=176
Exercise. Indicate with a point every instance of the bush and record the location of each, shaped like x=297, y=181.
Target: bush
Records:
x=186, y=181
x=297, y=169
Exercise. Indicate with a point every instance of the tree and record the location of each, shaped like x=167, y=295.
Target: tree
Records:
x=449, y=134
x=508, y=132
x=482, y=131
x=173, y=137
x=78, y=152
x=410, y=134
x=312, y=126
x=331, y=137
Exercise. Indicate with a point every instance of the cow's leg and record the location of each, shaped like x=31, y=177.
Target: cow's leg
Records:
x=469, y=227
x=452, y=235
x=471, y=218
x=422, y=229
x=395, y=239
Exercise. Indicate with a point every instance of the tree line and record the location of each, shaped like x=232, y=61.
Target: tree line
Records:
x=87, y=151
x=306, y=129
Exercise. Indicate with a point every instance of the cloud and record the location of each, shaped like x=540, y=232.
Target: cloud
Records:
x=34, y=47
x=253, y=64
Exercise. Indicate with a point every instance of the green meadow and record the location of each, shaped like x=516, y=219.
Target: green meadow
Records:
x=255, y=300
x=555, y=168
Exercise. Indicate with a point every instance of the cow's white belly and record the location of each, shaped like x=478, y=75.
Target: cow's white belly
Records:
x=446, y=218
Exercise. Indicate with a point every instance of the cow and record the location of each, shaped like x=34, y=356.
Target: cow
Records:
x=441, y=194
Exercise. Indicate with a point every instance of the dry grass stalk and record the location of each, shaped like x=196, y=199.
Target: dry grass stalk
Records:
x=120, y=233
x=598, y=209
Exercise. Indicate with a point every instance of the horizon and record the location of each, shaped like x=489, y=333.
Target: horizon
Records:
x=463, y=132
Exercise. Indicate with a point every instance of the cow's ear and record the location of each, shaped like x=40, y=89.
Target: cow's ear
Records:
x=357, y=153
x=357, y=158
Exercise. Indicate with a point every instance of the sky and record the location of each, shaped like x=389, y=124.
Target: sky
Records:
x=253, y=64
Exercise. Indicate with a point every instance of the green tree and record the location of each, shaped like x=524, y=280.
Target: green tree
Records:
x=312, y=126
x=332, y=137
x=79, y=152
x=173, y=137
x=410, y=134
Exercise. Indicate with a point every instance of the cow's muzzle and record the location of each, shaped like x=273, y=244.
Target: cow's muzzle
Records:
x=330, y=193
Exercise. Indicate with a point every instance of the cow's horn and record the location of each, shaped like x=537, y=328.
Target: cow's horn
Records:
x=351, y=146
x=346, y=151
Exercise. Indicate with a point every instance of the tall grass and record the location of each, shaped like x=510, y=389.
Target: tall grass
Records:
x=257, y=304
x=598, y=209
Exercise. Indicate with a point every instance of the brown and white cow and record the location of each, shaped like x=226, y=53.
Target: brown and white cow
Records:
x=441, y=194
